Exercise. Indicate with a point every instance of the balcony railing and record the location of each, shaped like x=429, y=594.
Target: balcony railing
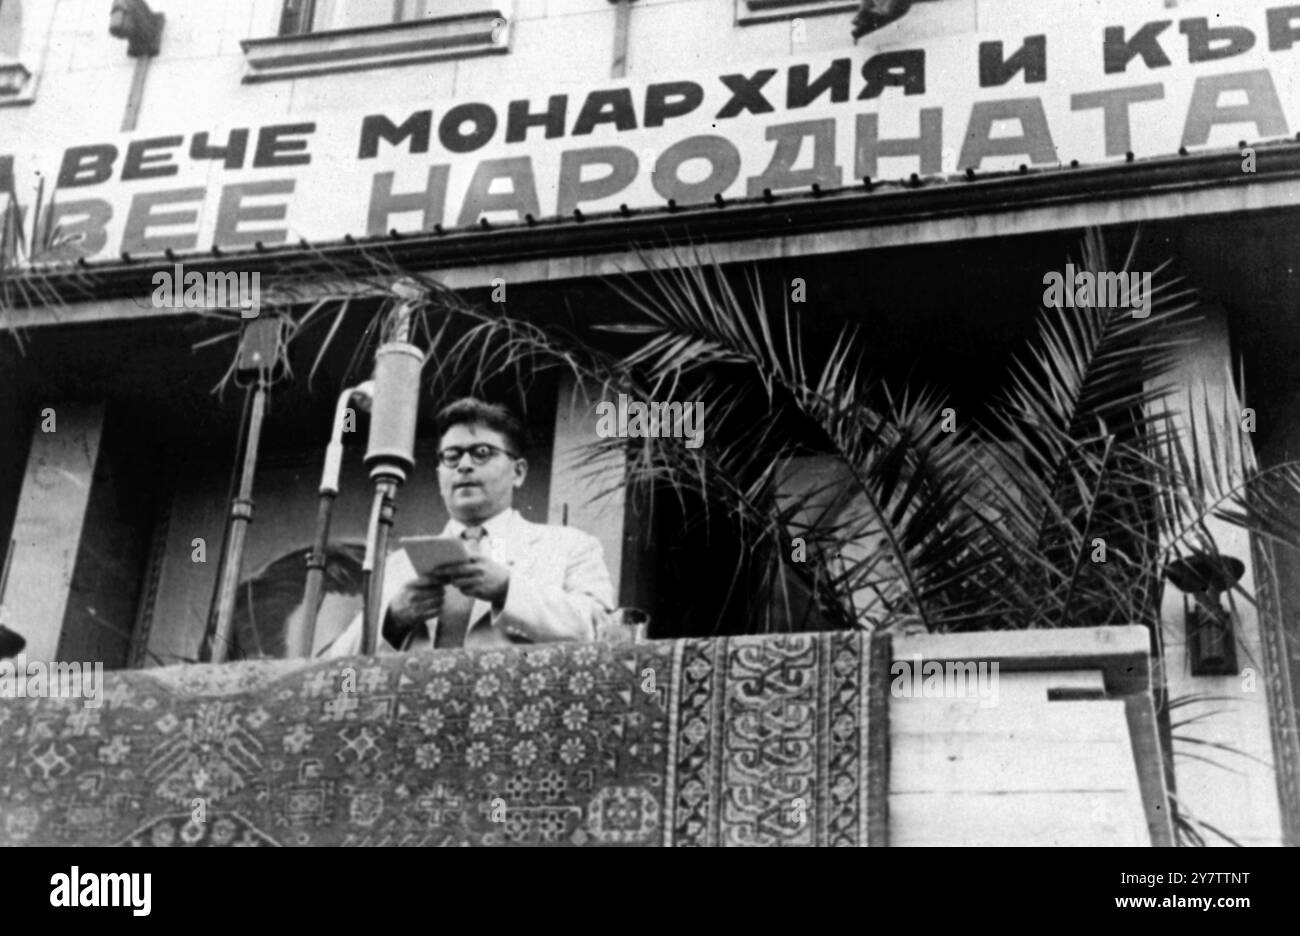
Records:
x=772, y=740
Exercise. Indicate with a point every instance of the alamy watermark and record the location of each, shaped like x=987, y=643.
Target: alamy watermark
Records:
x=1084, y=289
x=86, y=889
x=637, y=420
x=21, y=678
x=177, y=289
x=952, y=679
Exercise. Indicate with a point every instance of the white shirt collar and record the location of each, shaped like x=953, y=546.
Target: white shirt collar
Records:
x=498, y=527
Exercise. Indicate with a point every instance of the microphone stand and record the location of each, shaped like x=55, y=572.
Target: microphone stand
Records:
x=383, y=511
x=258, y=354
x=391, y=452
x=299, y=641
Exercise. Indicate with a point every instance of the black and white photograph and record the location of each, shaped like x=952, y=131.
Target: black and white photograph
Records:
x=650, y=423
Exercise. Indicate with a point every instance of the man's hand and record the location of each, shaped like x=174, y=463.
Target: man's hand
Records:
x=419, y=600
x=479, y=577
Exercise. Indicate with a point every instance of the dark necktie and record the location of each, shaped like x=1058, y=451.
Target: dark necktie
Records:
x=453, y=620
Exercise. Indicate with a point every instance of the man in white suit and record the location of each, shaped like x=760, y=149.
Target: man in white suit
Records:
x=525, y=583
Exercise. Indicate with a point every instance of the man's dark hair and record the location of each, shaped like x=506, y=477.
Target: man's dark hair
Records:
x=471, y=411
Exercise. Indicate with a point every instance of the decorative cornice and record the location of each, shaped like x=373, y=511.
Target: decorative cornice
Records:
x=406, y=43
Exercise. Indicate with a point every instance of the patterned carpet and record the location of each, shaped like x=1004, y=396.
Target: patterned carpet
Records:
x=778, y=740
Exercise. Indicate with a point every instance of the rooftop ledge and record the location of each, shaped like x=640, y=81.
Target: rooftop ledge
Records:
x=345, y=50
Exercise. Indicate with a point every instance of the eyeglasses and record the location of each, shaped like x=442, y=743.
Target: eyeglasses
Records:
x=479, y=454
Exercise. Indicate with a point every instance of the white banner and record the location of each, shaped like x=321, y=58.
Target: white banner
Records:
x=1069, y=85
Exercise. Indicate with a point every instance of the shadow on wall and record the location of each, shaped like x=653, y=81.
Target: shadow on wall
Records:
x=269, y=606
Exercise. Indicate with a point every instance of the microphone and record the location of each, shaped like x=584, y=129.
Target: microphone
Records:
x=391, y=450
x=390, y=454
x=298, y=641
x=363, y=394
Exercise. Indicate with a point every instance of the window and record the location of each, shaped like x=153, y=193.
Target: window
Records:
x=314, y=16
x=767, y=11
x=866, y=15
x=319, y=37
x=296, y=18
x=376, y=12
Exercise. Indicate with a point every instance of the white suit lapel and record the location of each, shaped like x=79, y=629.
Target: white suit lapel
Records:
x=516, y=547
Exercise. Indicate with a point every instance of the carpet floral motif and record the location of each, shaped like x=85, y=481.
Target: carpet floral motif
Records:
x=732, y=741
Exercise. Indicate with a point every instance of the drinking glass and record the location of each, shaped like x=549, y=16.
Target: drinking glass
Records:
x=625, y=625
